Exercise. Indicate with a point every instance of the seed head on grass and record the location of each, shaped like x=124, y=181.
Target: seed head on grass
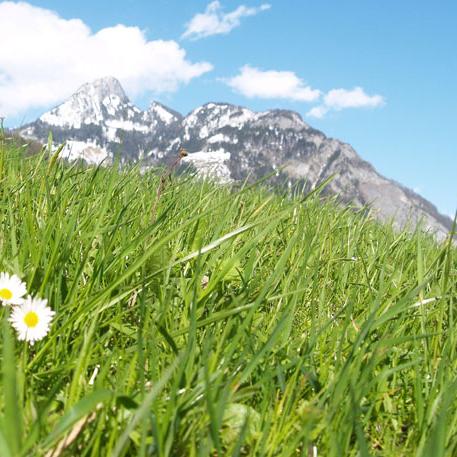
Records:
x=32, y=319
x=165, y=176
x=12, y=289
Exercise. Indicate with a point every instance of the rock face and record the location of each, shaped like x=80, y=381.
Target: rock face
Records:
x=227, y=142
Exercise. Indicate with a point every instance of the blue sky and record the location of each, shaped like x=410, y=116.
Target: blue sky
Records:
x=403, y=52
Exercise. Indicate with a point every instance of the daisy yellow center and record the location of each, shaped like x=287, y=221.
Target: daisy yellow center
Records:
x=6, y=294
x=31, y=319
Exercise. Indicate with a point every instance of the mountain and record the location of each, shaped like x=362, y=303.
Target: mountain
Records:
x=228, y=142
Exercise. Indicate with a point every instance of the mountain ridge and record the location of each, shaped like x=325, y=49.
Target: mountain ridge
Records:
x=230, y=143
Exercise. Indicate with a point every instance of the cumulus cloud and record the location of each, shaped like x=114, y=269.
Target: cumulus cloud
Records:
x=318, y=112
x=214, y=22
x=44, y=58
x=252, y=82
x=271, y=84
x=338, y=99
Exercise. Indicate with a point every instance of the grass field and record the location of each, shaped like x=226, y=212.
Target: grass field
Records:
x=222, y=323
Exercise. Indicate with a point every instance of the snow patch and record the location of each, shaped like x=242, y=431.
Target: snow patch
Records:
x=211, y=164
x=127, y=125
x=88, y=151
x=63, y=116
x=111, y=103
x=165, y=116
x=203, y=132
x=219, y=138
x=218, y=116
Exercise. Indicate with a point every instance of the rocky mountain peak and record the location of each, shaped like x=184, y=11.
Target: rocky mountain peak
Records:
x=212, y=117
x=163, y=114
x=102, y=88
x=283, y=119
x=92, y=103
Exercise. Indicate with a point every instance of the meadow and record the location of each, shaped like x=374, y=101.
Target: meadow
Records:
x=214, y=321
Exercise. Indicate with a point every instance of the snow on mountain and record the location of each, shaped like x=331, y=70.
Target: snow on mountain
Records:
x=85, y=150
x=229, y=143
x=92, y=103
x=100, y=115
x=215, y=116
x=211, y=164
x=161, y=113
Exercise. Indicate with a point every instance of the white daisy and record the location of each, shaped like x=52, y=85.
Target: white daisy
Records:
x=12, y=289
x=32, y=319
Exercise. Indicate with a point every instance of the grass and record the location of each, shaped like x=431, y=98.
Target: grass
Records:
x=228, y=323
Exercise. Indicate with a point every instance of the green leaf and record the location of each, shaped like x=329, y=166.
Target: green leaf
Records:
x=84, y=407
x=12, y=420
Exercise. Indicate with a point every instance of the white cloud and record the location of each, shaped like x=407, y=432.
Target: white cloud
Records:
x=44, y=58
x=252, y=82
x=318, y=112
x=338, y=99
x=214, y=22
x=355, y=98
x=271, y=84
